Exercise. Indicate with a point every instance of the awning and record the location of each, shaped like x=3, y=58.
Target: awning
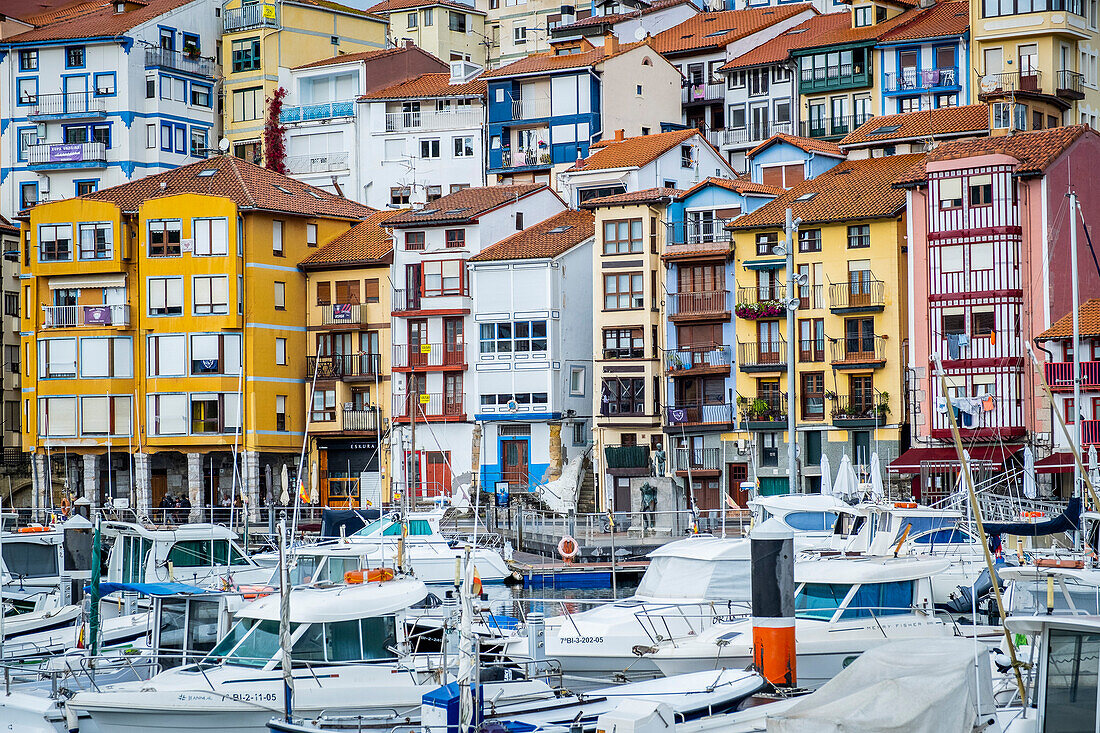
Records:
x=149, y=589
x=773, y=263
x=76, y=282
x=910, y=461
x=1056, y=463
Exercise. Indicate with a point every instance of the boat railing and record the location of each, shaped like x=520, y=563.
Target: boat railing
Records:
x=672, y=622
x=669, y=523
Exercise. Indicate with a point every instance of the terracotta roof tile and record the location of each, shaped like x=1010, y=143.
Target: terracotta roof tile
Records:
x=803, y=35
x=1088, y=315
x=547, y=61
x=943, y=122
x=429, y=85
x=60, y=11
x=389, y=6
x=366, y=242
x=465, y=205
x=735, y=184
x=617, y=17
x=347, y=58
x=25, y=10
x=95, y=20
x=854, y=189
x=7, y=226
x=548, y=238
x=862, y=34
x=1034, y=150
x=717, y=30
x=645, y=196
x=631, y=151
x=942, y=19
x=248, y=185
x=807, y=144
x=330, y=5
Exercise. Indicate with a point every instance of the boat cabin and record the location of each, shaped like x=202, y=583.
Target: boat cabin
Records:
x=199, y=554
x=697, y=569
x=38, y=561
x=809, y=516
x=1033, y=590
x=849, y=588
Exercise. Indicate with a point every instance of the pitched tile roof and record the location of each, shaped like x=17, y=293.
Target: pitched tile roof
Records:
x=1034, y=150
x=718, y=29
x=942, y=19
x=935, y=123
x=807, y=144
x=248, y=185
x=465, y=205
x=632, y=151
x=95, y=20
x=854, y=189
x=365, y=243
x=389, y=6
x=548, y=238
x=7, y=226
x=345, y=58
x=594, y=20
x=547, y=61
x=861, y=34
x=430, y=85
x=645, y=196
x=41, y=13
x=330, y=5
x=739, y=185
x=802, y=35
x=1088, y=316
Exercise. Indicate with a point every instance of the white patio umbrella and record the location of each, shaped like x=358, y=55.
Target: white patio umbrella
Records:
x=314, y=480
x=826, y=476
x=284, y=498
x=847, y=484
x=877, y=490
x=1094, y=469
x=1030, y=490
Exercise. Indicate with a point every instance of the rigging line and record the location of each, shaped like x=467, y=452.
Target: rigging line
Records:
x=1092, y=250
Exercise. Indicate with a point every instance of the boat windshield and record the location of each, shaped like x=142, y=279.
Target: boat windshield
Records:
x=821, y=600
x=30, y=559
x=681, y=577
x=1029, y=598
x=304, y=569
x=1070, y=701
x=811, y=521
x=921, y=530
x=252, y=643
x=417, y=528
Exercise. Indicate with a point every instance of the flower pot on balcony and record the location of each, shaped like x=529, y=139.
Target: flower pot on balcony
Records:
x=763, y=309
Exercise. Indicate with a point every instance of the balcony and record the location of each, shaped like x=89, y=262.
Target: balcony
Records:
x=700, y=93
x=250, y=16
x=346, y=367
x=698, y=360
x=748, y=136
x=697, y=231
x=859, y=411
x=761, y=302
x=1059, y=375
x=859, y=352
x=532, y=108
x=698, y=459
x=429, y=356
x=368, y=420
x=69, y=105
x=318, y=112
x=700, y=413
x=626, y=457
x=833, y=127
x=811, y=350
x=916, y=81
x=522, y=158
x=994, y=85
x=176, y=61
x=839, y=76
x=92, y=316
x=433, y=407
x=1071, y=85
x=426, y=121
x=1090, y=432
x=767, y=413
x=316, y=163
x=770, y=356
x=344, y=314
x=864, y=296
x=703, y=304
x=67, y=155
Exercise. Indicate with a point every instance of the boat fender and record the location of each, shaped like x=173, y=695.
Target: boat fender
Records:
x=568, y=548
x=515, y=578
x=72, y=720
x=498, y=673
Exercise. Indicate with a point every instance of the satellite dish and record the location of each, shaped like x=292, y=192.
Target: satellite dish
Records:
x=640, y=33
x=989, y=83
x=223, y=145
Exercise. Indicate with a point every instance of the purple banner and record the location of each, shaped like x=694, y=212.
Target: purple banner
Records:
x=66, y=152
x=97, y=315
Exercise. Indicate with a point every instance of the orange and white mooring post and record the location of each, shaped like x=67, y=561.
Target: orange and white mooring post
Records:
x=771, y=547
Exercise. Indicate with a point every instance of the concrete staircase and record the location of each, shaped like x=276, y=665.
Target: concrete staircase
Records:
x=586, y=494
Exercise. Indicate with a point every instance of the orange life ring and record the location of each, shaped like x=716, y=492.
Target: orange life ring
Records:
x=568, y=548
x=65, y=506
x=29, y=530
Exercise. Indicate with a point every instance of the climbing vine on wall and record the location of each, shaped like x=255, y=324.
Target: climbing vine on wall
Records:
x=275, y=133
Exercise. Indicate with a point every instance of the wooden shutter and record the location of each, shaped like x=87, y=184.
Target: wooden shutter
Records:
x=793, y=174
x=773, y=176
x=324, y=293
x=347, y=291
x=370, y=290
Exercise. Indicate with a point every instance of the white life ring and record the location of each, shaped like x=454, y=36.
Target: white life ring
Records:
x=568, y=547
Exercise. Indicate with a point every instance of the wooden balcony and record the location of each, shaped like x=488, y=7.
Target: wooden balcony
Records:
x=765, y=414
x=865, y=296
x=702, y=304
x=700, y=413
x=432, y=407
x=692, y=361
x=766, y=357
x=863, y=352
x=858, y=411
x=345, y=367
x=698, y=461
x=429, y=356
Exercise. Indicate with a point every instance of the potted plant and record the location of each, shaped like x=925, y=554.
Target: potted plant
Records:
x=760, y=410
x=829, y=395
x=882, y=409
x=191, y=51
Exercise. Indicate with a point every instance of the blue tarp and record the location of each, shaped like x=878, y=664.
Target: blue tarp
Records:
x=1068, y=521
x=149, y=589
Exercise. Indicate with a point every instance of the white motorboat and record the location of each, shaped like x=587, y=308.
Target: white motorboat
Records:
x=844, y=606
x=351, y=655
x=688, y=585
x=38, y=562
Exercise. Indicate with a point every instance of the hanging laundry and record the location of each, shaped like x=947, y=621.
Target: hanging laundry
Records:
x=988, y=403
x=941, y=405
x=964, y=340
x=993, y=338
x=952, y=346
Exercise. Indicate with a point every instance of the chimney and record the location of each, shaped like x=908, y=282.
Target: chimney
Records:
x=620, y=135
x=610, y=44
x=409, y=43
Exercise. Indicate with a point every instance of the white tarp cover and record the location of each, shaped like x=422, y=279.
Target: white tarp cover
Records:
x=911, y=686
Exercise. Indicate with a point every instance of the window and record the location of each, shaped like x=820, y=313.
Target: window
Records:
x=769, y=449
x=28, y=60
x=211, y=237
x=953, y=323
x=324, y=293
x=200, y=95
x=455, y=237
x=347, y=292
x=28, y=195
x=813, y=395
x=982, y=322
x=207, y=413
x=277, y=238
x=576, y=381
x=766, y=242
x=862, y=16
x=103, y=84
x=165, y=296
x=458, y=22
x=399, y=196
x=28, y=136
x=248, y=104
x=150, y=136
x=981, y=190
x=74, y=57
x=411, y=20
x=83, y=188
x=433, y=193
x=311, y=235
x=950, y=193
x=429, y=148
x=214, y=353
x=280, y=412
x=172, y=88
x=513, y=337
x=11, y=308
x=105, y=415
x=210, y=294
x=623, y=343
x=464, y=147
x=324, y=405
x=623, y=397
x=622, y=291
x=687, y=156
x=106, y=357
x=280, y=296
x=429, y=18
x=198, y=142
x=443, y=277
x=809, y=240
x=150, y=87
x=246, y=54
x=164, y=237
x=414, y=240
x=280, y=351
x=27, y=90
x=859, y=236
x=519, y=34
x=56, y=416
x=57, y=358
x=370, y=291
x=55, y=242
x=622, y=236
x=95, y=242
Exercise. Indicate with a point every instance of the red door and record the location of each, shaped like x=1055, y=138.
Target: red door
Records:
x=738, y=472
x=437, y=474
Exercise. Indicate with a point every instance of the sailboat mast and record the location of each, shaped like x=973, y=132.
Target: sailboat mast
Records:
x=1076, y=353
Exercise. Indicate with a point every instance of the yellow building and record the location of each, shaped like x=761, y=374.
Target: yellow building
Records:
x=348, y=362
x=149, y=310
x=1036, y=63
x=452, y=31
x=259, y=38
x=852, y=323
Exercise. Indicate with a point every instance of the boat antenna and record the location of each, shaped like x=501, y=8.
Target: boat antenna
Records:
x=284, y=624
x=305, y=444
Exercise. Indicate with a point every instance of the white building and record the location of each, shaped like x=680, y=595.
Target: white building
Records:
x=678, y=160
x=532, y=370
x=432, y=317
x=120, y=91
